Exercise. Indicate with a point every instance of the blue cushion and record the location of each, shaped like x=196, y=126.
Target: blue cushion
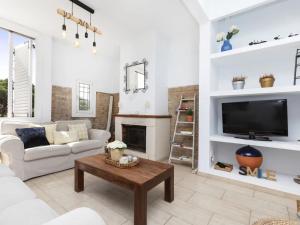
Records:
x=32, y=137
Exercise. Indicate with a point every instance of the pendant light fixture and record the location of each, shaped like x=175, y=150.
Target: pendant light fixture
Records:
x=94, y=50
x=78, y=21
x=64, y=29
x=76, y=42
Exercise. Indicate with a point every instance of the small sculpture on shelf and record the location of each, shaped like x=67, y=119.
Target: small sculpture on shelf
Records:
x=256, y=42
x=267, y=80
x=226, y=38
x=249, y=157
x=238, y=82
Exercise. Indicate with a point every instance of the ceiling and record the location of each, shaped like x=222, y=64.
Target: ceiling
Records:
x=115, y=18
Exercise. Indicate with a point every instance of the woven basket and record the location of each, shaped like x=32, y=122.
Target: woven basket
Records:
x=275, y=222
x=114, y=163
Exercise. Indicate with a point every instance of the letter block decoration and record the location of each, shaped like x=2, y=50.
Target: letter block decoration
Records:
x=251, y=172
x=271, y=175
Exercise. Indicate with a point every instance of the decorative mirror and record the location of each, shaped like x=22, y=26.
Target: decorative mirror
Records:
x=135, y=76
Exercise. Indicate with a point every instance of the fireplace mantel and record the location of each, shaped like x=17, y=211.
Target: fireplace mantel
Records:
x=143, y=116
x=157, y=134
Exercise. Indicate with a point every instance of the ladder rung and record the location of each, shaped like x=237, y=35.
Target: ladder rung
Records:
x=182, y=146
x=188, y=99
x=298, y=77
x=184, y=159
x=185, y=122
x=181, y=134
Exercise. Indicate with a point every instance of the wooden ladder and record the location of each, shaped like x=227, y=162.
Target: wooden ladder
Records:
x=180, y=147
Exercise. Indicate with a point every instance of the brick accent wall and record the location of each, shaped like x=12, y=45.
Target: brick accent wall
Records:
x=174, y=95
x=62, y=107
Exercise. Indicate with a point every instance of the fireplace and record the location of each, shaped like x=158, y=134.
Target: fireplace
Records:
x=135, y=137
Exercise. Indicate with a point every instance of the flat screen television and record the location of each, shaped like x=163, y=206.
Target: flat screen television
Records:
x=256, y=118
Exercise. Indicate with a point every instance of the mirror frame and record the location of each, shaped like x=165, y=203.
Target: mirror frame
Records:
x=135, y=63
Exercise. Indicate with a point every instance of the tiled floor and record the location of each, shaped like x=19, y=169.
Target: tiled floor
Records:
x=199, y=200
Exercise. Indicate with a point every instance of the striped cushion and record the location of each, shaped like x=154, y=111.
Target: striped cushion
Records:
x=81, y=130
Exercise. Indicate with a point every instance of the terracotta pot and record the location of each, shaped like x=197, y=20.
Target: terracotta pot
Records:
x=189, y=118
x=116, y=154
x=249, y=157
x=267, y=82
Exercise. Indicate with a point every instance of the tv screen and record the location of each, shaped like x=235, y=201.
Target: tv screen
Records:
x=267, y=118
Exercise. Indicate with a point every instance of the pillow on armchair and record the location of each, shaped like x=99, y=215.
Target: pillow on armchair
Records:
x=32, y=137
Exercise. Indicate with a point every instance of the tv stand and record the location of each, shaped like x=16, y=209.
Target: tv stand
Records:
x=253, y=137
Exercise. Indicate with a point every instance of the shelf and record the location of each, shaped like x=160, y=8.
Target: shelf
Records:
x=248, y=53
x=284, y=182
x=290, y=90
x=283, y=145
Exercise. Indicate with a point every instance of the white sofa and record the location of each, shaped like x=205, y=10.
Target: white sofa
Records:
x=19, y=206
x=38, y=161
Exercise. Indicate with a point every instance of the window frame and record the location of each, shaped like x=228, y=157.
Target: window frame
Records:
x=91, y=98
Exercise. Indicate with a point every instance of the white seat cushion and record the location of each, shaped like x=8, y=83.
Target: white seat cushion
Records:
x=47, y=151
x=86, y=145
x=13, y=191
x=5, y=171
x=29, y=212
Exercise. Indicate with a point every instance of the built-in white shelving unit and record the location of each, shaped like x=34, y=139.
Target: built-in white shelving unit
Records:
x=273, y=47
x=282, y=145
x=286, y=90
x=216, y=72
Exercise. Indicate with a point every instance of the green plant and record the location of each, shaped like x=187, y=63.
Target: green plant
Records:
x=189, y=112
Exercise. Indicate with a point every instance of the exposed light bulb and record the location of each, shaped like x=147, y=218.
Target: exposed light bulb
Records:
x=76, y=43
x=64, y=34
x=94, y=49
x=64, y=29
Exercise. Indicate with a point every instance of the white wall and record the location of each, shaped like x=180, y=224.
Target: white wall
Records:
x=71, y=64
x=136, y=49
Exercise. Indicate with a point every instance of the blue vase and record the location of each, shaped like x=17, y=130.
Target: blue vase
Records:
x=226, y=46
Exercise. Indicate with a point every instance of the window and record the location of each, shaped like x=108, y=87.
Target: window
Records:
x=83, y=100
x=17, y=76
x=84, y=97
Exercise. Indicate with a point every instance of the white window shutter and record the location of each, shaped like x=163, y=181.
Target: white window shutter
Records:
x=22, y=81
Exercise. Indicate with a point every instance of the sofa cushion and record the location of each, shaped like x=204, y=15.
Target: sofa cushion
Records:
x=86, y=145
x=9, y=127
x=32, y=137
x=50, y=129
x=63, y=125
x=5, y=171
x=29, y=212
x=46, y=152
x=13, y=191
x=81, y=130
x=64, y=137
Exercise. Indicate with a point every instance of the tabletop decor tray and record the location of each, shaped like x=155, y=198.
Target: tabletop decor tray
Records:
x=109, y=161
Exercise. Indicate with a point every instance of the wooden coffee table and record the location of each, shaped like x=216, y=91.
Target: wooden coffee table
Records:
x=140, y=179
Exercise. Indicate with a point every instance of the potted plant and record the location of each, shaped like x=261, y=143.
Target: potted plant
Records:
x=189, y=115
x=267, y=80
x=226, y=38
x=238, y=82
x=116, y=150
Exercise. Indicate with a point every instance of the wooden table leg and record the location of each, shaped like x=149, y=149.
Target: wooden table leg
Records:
x=79, y=179
x=140, y=206
x=169, y=187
